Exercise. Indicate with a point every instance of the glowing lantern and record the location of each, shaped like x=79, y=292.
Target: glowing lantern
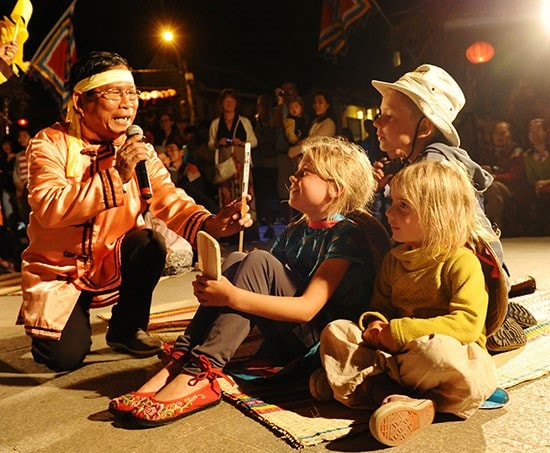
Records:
x=480, y=52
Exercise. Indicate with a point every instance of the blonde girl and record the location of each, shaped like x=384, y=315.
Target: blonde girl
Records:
x=421, y=346
x=319, y=269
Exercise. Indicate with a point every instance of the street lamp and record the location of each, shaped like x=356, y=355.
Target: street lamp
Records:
x=169, y=38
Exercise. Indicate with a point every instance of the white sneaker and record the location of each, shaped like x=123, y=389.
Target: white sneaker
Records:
x=400, y=418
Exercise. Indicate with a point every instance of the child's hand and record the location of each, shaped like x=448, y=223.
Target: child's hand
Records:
x=371, y=335
x=377, y=335
x=381, y=178
x=213, y=293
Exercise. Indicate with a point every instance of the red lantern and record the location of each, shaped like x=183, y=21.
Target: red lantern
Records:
x=480, y=52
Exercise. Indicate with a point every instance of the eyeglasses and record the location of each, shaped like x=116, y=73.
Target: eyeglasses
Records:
x=114, y=94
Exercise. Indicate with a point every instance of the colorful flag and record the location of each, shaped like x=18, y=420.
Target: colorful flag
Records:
x=337, y=17
x=57, y=53
x=14, y=29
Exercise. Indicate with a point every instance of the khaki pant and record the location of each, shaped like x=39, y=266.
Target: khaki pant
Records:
x=457, y=377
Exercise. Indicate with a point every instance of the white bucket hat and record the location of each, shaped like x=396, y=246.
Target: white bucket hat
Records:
x=435, y=93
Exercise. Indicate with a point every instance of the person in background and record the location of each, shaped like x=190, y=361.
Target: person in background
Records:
x=151, y=125
x=202, y=157
x=162, y=154
x=285, y=166
x=21, y=176
x=187, y=176
x=421, y=346
x=323, y=124
x=88, y=244
x=295, y=126
x=320, y=268
x=505, y=197
x=228, y=134
x=169, y=132
x=182, y=124
x=8, y=51
x=265, y=169
x=9, y=242
x=537, y=169
x=8, y=201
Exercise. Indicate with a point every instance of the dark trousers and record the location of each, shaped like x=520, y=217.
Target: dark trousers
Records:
x=217, y=332
x=143, y=255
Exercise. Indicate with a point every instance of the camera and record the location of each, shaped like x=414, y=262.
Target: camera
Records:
x=391, y=167
x=228, y=141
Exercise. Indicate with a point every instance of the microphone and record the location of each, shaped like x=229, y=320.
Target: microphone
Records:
x=141, y=170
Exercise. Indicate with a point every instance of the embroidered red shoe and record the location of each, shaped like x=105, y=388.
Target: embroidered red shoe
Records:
x=151, y=412
x=126, y=403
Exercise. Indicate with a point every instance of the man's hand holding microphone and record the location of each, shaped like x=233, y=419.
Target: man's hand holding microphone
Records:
x=132, y=157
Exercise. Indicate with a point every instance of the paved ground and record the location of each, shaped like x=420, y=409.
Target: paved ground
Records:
x=42, y=411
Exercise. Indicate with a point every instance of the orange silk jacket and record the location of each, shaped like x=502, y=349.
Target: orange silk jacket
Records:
x=77, y=224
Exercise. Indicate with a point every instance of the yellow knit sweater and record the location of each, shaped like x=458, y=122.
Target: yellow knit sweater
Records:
x=420, y=296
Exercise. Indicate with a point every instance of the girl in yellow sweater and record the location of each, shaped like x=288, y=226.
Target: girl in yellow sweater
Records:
x=421, y=346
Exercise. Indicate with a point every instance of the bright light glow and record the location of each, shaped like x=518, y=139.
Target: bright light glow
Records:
x=359, y=114
x=157, y=94
x=168, y=35
x=545, y=14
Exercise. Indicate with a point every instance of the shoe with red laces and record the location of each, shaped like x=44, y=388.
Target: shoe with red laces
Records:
x=151, y=412
x=124, y=404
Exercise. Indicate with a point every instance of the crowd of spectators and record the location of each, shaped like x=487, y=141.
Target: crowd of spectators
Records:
x=517, y=202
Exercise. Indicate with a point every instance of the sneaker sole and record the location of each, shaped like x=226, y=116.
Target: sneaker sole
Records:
x=508, y=337
x=395, y=422
x=521, y=315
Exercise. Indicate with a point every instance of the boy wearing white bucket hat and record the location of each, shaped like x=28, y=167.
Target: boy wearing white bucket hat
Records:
x=416, y=122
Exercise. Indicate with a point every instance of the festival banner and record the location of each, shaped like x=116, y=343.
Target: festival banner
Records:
x=53, y=59
x=337, y=17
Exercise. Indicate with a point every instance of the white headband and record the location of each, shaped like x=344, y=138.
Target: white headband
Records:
x=104, y=78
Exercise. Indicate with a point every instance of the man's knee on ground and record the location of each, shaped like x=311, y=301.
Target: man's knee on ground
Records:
x=58, y=359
